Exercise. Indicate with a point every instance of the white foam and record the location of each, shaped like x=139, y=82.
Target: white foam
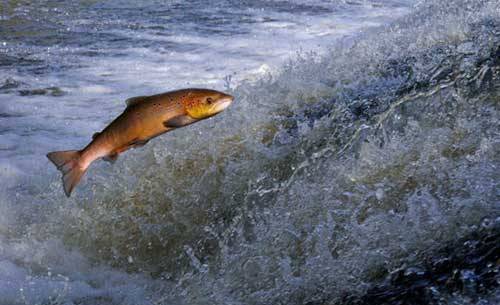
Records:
x=37, y=266
x=96, y=89
x=40, y=273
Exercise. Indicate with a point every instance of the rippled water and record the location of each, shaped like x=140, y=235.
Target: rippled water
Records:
x=358, y=163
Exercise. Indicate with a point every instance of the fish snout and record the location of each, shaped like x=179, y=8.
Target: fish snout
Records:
x=224, y=102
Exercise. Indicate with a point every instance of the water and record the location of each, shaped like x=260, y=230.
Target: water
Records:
x=361, y=151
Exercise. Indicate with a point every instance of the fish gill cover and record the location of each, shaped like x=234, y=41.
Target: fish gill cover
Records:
x=325, y=184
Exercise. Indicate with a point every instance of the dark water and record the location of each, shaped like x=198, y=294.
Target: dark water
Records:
x=363, y=170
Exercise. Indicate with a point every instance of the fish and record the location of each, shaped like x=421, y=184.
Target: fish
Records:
x=144, y=118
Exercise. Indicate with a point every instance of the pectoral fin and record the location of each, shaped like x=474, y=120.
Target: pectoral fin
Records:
x=179, y=121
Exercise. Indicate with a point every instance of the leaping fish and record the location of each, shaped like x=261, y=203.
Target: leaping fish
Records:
x=144, y=118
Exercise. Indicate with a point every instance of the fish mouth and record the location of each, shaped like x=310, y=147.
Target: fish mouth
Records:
x=223, y=103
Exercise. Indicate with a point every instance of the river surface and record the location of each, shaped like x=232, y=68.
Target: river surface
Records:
x=358, y=163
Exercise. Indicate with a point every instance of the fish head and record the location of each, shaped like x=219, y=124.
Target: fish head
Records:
x=204, y=103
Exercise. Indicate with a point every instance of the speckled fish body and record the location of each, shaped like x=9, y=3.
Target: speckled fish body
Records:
x=144, y=118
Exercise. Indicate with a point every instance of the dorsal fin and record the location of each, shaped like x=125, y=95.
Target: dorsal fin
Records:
x=135, y=100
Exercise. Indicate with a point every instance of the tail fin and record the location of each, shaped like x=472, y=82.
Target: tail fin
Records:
x=68, y=163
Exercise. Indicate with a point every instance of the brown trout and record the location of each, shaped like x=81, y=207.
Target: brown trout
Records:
x=144, y=118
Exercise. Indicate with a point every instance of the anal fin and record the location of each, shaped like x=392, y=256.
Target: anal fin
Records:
x=138, y=143
x=111, y=158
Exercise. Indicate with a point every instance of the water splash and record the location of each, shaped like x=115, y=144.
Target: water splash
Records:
x=316, y=186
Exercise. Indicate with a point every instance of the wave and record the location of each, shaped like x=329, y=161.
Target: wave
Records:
x=319, y=182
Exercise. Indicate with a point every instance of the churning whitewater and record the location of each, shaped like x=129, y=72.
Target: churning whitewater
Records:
x=358, y=165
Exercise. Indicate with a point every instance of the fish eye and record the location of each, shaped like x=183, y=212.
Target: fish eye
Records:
x=209, y=100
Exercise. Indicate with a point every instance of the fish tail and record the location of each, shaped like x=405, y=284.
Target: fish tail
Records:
x=68, y=162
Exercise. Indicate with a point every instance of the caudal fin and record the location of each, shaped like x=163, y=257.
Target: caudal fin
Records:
x=68, y=163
